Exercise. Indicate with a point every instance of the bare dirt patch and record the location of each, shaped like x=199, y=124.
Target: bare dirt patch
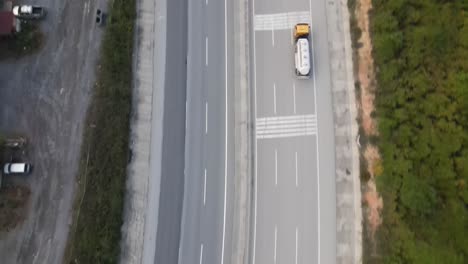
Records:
x=366, y=76
x=370, y=153
x=13, y=202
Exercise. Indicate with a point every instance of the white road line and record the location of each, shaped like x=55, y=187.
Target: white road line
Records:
x=206, y=2
x=294, y=96
x=286, y=126
x=206, y=51
x=296, y=243
x=296, y=180
x=274, y=97
x=273, y=36
x=276, y=167
x=284, y=135
x=225, y=128
x=201, y=253
x=295, y=117
x=204, y=190
x=276, y=237
x=316, y=140
x=305, y=130
x=255, y=159
x=279, y=21
x=206, y=118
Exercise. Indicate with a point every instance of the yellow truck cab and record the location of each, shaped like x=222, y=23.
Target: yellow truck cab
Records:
x=302, y=50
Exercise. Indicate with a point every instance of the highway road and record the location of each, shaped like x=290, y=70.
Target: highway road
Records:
x=294, y=204
x=172, y=162
x=206, y=215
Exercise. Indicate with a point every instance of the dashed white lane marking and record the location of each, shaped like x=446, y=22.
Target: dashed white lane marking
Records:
x=201, y=253
x=274, y=97
x=206, y=118
x=296, y=170
x=272, y=36
x=276, y=167
x=206, y=51
x=296, y=244
x=294, y=97
x=276, y=237
x=286, y=126
x=280, y=21
x=204, y=190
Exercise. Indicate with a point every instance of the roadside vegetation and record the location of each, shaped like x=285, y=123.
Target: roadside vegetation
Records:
x=95, y=234
x=420, y=48
x=28, y=41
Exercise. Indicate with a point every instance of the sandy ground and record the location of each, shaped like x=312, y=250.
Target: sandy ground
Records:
x=45, y=97
x=366, y=77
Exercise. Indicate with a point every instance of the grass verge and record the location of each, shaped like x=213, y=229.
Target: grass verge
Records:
x=95, y=233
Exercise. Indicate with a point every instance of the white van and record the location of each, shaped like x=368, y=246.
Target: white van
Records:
x=17, y=168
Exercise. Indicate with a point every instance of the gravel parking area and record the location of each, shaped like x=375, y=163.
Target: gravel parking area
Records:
x=45, y=97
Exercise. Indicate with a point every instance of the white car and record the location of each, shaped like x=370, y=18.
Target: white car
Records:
x=16, y=168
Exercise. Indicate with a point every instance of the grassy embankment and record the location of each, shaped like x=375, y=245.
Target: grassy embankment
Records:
x=421, y=57
x=95, y=234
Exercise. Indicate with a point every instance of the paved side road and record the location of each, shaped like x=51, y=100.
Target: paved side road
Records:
x=45, y=97
x=348, y=195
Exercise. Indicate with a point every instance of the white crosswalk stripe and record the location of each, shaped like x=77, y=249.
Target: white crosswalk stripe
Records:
x=280, y=20
x=286, y=126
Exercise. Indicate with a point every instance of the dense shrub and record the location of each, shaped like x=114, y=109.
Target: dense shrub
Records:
x=96, y=234
x=421, y=53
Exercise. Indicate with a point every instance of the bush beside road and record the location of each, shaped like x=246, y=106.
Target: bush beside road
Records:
x=421, y=53
x=95, y=235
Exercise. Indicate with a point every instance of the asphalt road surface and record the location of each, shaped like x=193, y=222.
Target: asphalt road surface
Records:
x=209, y=137
x=294, y=212
x=172, y=164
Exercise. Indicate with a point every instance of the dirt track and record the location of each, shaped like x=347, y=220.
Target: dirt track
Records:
x=45, y=97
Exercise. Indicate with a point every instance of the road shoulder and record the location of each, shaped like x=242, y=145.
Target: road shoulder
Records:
x=243, y=124
x=348, y=196
x=142, y=191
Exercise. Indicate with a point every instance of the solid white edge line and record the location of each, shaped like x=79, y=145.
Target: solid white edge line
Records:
x=276, y=238
x=316, y=138
x=296, y=178
x=256, y=140
x=204, y=190
x=226, y=127
x=276, y=167
x=206, y=51
x=201, y=253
